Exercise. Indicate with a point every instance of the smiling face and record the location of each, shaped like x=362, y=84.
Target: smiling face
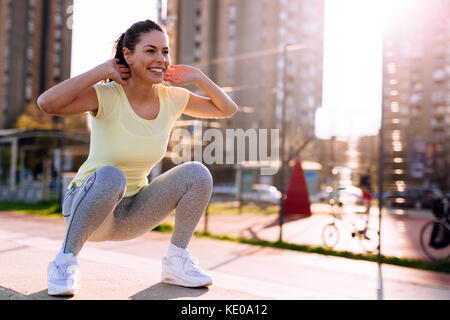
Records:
x=150, y=58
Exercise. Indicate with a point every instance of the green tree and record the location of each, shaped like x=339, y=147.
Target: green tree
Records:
x=34, y=119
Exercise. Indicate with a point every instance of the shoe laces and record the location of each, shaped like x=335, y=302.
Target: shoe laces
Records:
x=66, y=270
x=192, y=264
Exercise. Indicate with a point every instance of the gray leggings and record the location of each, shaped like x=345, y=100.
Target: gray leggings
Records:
x=97, y=210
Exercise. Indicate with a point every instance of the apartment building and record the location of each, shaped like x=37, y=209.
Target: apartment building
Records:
x=416, y=96
x=35, y=52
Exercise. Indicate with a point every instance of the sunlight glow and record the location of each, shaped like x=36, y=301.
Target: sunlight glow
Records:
x=352, y=68
x=352, y=84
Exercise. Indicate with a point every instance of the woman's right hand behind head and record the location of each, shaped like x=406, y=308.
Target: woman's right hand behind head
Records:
x=117, y=72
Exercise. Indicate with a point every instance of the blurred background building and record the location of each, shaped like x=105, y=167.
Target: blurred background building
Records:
x=266, y=54
x=416, y=96
x=35, y=52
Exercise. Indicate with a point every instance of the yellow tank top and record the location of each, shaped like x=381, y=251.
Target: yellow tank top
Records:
x=121, y=138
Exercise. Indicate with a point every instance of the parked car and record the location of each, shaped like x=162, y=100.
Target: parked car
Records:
x=263, y=194
x=399, y=199
x=347, y=195
x=410, y=198
x=323, y=195
x=224, y=192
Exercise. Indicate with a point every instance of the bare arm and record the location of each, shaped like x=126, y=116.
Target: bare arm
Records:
x=77, y=95
x=217, y=105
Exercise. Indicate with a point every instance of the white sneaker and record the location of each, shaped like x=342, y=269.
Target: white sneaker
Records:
x=63, y=275
x=184, y=271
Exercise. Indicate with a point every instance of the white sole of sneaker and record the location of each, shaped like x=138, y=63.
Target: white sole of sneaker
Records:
x=61, y=291
x=180, y=282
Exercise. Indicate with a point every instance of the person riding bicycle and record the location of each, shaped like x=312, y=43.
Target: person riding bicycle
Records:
x=365, y=183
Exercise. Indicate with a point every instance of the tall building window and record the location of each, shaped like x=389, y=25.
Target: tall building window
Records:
x=58, y=34
x=58, y=47
x=390, y=53
x=232, y=12
x=28, y=89
x=30, y=26
x=417, y=85
x=438, y=96
x=8, y=23
x=392, y=68
x=416, y=111
x=394, y=93
x=30, y=53
x=397, y=145
x=56, y=73
x=231, y=44
x=415, y=98
x=439, y=75
x=395, y=107
x=58, y=20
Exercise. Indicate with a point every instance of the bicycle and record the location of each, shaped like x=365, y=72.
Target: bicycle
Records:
x=435, y=235
x=368, y=237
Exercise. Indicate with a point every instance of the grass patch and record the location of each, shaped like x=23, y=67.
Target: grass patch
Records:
x=46, y=208
x=233, y=208
x=163, y=227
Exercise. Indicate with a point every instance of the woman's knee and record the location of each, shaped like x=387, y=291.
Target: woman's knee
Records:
x=112, y=177
x=200, y=174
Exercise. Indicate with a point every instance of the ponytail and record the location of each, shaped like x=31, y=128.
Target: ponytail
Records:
x=119, y=50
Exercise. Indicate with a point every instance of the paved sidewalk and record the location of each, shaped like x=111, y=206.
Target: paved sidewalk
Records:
x=131, y=269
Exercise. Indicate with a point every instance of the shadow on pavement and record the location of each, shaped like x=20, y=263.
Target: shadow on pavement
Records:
x=253, y=234
x=8, y=294
x=163, y=291
x=276, y=221
x=42, y=295
x=14, y=249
